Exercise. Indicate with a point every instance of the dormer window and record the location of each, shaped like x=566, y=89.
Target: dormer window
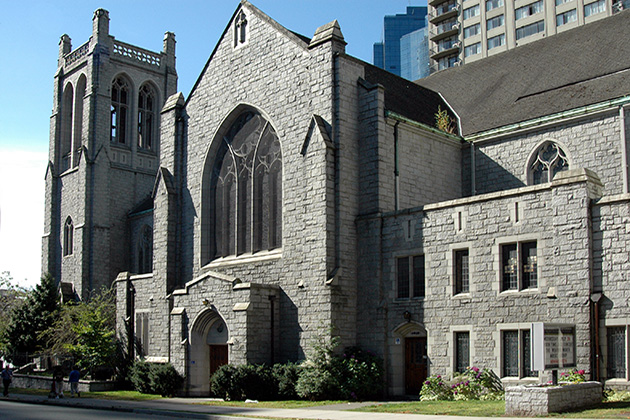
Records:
x=240, y=29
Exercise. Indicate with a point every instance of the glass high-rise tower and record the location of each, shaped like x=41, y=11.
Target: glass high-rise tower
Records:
x=387, y=53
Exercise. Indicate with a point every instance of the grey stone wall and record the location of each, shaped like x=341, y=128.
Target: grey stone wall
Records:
x=501, y=163
x=556, y=216
x=540, y=401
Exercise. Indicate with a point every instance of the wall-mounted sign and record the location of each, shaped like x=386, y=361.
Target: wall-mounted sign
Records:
x=553, y=346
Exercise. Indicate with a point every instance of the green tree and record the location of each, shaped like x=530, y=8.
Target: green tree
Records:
x=28, y=321
x=85, y=330
x=12, y=297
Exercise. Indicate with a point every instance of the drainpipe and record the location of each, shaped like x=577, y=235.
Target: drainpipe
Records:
x=624, y=151
x=396, y=170
x=473, y=181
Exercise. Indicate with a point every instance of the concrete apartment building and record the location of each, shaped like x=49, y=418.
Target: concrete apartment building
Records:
x=463, y=31
x=298, y=188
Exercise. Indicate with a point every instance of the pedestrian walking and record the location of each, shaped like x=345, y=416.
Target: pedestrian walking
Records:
x=74, y=381
x=58, y=382
x=7, y=376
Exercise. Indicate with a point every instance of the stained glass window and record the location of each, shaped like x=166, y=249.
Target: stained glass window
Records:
x=548, y=161
x=616, y=352
x=119, y=109
x=247, y=188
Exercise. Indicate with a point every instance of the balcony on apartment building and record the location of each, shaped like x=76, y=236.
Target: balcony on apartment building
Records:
x=444, y=29
x=442, y=10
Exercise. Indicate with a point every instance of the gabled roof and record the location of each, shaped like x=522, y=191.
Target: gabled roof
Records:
x=579, y=67
x=406, y=98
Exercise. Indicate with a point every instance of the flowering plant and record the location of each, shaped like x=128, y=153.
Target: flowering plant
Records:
x=574, y=376
x=435, y=388
x=472, y=384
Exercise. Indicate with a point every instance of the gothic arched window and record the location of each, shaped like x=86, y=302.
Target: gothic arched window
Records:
x=146, y=117
x=119, y=110
x=246, y=189
x=145, y=250
x=546, y=162
x=66, y=127
x=68, y=237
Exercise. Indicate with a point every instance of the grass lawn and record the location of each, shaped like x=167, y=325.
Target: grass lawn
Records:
x=103, y=395
x=607, y=410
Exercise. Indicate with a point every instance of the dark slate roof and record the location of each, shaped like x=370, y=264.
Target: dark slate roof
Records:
x=143, y=206
x=406, y=98
x=582, y=66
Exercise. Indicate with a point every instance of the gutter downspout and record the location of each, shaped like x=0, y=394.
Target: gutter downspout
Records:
x=624, y=148
x=396, y=169
x=473, y=170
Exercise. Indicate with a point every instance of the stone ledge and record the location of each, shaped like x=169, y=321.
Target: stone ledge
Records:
x=527, y=400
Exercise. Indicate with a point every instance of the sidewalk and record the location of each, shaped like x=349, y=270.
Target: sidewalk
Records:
x=193, y=408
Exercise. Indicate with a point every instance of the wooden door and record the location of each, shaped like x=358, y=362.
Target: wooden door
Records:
x=415, y=364
x=218, y=356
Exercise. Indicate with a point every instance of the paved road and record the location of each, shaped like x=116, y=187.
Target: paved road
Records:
x=11, y=410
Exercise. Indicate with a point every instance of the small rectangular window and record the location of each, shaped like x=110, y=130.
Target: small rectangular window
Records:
x=528, y=30
x=594, y=8
x=519, y=266
x=510, y=353
x=493, y=4
x=472, y=30
x=495, y=22
x=496, y=41
x=472, y=50
x=526, y=360
x=509, y=264
x=471, y=12
x=462, y=351
x=616, y=352
x=530, y=265
x=566, y=17
x=528, y=10
x=461, y=272
x=410, y=277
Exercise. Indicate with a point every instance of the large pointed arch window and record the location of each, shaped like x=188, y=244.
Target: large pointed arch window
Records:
x=246, y=189
x=546, y=162
x=119, y=110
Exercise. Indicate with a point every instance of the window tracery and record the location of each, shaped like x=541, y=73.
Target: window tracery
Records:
x=547, y=161
x=146, y=117
x=246, y=188
x=119, y=110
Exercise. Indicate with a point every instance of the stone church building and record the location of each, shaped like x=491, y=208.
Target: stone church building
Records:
x=299, y=189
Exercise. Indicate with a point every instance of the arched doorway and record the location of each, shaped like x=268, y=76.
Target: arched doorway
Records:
x=208, y=349
x=412, y=352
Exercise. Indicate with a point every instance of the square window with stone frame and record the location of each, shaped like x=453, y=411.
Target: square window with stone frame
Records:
x=516, y=354
x=519, y=266
x=410, y=277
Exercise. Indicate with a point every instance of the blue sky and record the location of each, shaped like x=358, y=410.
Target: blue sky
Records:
x=31, y=30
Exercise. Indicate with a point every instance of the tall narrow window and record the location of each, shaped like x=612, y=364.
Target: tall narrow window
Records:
x=145, y=250
x=68, y=237
x=530, y=265
x=461, y=272
x=526, y=361
x=67, y=105
x=240, y=29
x=616, y=352
x=510, y=353
x=519, y=267
x=119, y=111
x=146, y=117
x=510, y=267
x=547, y=161
x=77, y=131
x=142, y=333
x=462, y=351
x=246, y=188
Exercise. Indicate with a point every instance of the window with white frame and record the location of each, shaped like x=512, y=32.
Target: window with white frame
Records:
x=546, y=162
x=495, y=22
x=410, y=276
x=471, y=12
x=472, y=49
x=519, y=266
x=493, y=4
x=531, y=29
x=594, y=8
x=472, y=30
x=496, y=41
x=516, y=354
x=616, y=338
x=566, y=17
x=528, y=10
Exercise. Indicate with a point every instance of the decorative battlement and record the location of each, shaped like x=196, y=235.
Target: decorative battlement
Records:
x=138, y=54
x=77, y=54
